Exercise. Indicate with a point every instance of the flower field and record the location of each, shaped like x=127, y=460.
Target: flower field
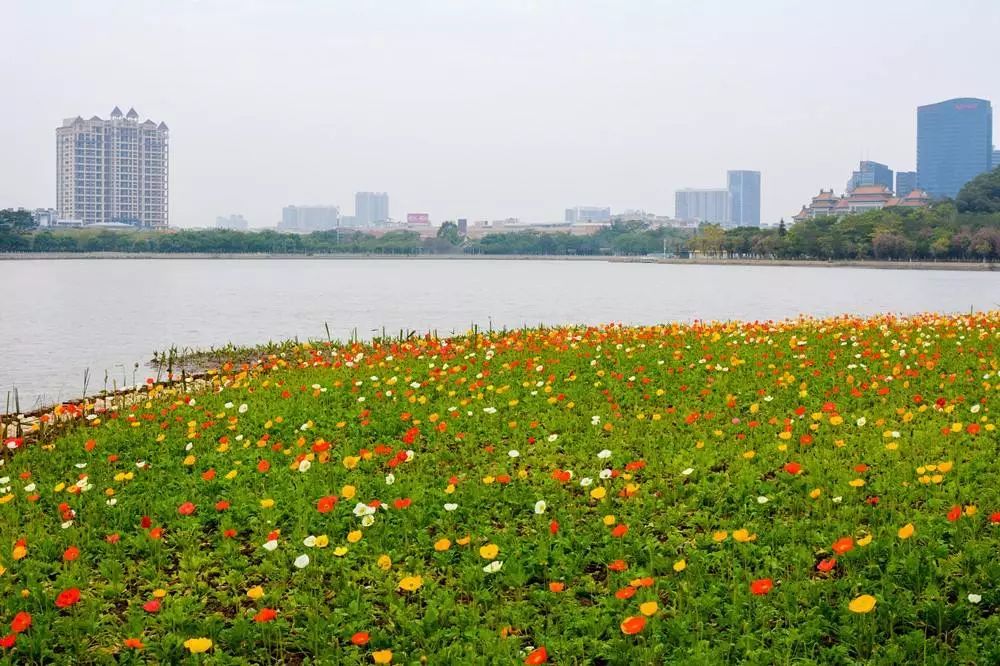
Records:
x=805, y=491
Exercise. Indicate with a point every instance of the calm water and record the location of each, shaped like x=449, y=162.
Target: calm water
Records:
x=60, y=317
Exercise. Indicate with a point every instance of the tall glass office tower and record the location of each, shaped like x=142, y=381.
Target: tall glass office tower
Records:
x=954, y=144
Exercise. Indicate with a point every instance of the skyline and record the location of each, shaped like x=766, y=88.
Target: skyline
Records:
x=471, y=113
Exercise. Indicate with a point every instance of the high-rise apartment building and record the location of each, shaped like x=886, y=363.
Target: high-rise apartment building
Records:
x=996, y=159
x=370, y=207
x=870, y=173
x=906, y=182
x=309, y=218
x=703, y=205
x=954, y=144
x=744, y=198
x=113, y=170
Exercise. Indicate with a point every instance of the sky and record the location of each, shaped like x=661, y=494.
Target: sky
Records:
x=492, y=108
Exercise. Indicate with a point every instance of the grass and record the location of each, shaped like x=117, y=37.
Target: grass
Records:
x=813, y=491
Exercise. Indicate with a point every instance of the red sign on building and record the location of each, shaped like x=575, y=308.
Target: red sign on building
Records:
x=418, y=218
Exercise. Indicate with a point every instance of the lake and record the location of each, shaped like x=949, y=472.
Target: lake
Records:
x=61, y=317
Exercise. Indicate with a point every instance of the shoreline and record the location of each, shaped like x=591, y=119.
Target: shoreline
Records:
x=702, y=261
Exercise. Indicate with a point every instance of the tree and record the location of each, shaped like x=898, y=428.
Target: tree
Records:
x=449, y=232
x=782, y=229
x=16, y=220
x=981, y=194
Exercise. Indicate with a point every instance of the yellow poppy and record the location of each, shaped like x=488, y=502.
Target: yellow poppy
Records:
x=863, y=604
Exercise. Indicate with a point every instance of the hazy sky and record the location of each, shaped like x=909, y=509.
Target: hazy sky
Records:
x=487, y=109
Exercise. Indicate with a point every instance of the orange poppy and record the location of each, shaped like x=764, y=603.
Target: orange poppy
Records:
x=537, y=656
x=633, y=625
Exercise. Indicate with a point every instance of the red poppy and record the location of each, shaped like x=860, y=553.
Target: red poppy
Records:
x=186, y=509
x=265, y=615
x=793, y=468
x=618, y=565
x=402, y=503
x=843, y=545
x=71, y=554
x=557, y=586
x=326, y=504
x=21, y=622
x=625, y=593
x=221, y=505
x=8, y=641
x=152, y=606
x=554, y=527
x=761, y=586
x=827, y=565
x=208, y=475
x=955, y=513
x=537, y=656
x=642, y=582
x=134, y=643
x=503, y=478
x=156, y=533
x=263, y=466
x=360, y=638
x=113, y=538
x=619, y=531
x=146, y=522
x=229, y=534
x=67, y=598
x=633, y=625
x=995, y=517
x=861, y=468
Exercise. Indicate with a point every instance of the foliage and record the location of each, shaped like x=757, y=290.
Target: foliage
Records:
x=981, y=194
x=816, y=491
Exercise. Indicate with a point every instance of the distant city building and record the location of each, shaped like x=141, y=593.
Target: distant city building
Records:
x=113, y=171
x=954, y=144
x=370, y=207
x=45, y=217
x=582, y=214
x=996, y=159
x=870, y=173
x=463, y=226
x=348, y=222
x=863, y=198
x=702, y=205
x=234, y=222
x=906, y=182
x=418, y=218
x=309, y=218
x=744, y=198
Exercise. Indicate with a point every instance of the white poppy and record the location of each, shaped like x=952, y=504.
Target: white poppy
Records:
x=605, y=474
x=838, y=499
x=604, y=454
x=586, y=481
x=975, y=598
x=367, y=521
x=450, y=506
x=540, y=507
x=761, y=499
x=302, y=561
x=271, y=545
x=690, y=470
x=513, y=453
x=362, y=509
x=390, y=479
x=243, y=408
x=553, y=437
x=493, y=566
x=304, y=465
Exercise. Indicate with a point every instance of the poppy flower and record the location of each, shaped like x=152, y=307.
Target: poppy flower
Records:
x=134, y=644
x=156, y=533
x=557, y=586
x=537, y=656
x=229, y=534
x=843, y=545
x=198, y=645
x=71, y=554
x=403, y=503
x=265, y=615
x=221, y=505
x=633, y=625
x=761, y=586
x=113, y=538
x=955, y=513
x=146, y=522
x=360, y=638
x=793, y=468
x=21, y=622
x=68, y=598
x=649, y=608
x=863, y=604
x=906, y=531
x=382, y=657
x=619, y=531
x=152, y=606
x=618, y=565
x=411, y=583
x=8, y=641
x=625, y=593
x=186, y=509
x=263, y=466
x=827, y=565
x=489, y=551
x=326, y=504
x=554, y=527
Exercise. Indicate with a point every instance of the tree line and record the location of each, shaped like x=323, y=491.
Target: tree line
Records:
x=965, y=229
